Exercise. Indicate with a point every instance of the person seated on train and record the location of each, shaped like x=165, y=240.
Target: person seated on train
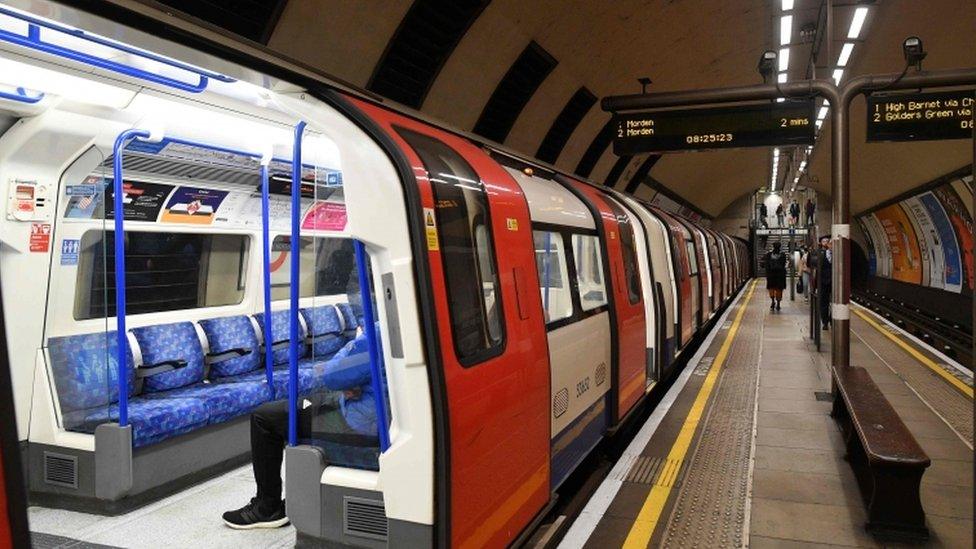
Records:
x=347, y=408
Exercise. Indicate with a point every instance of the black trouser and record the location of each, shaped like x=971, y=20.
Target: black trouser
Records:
x=269, y=434
x=824, y=297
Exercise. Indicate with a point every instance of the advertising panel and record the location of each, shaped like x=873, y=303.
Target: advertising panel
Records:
x=906, y=260
x=929, y=241
x=952, y=259
x=962, y=224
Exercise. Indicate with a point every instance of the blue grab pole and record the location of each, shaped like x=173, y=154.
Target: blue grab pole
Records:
x=266, y=270
x=296, y=211
x=375, y=361
x=123, y=377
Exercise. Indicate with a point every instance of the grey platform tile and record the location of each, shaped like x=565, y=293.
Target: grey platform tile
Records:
x=931, y=428
x=59, y=522
x=811, y=523
x=763, y=542
x=790, y=406
x=784, y=420
x=950, y=532
x=947, y=501
x=940, y=448
x=801, y=460
x=789, y=394
x=949, y=473
x=791, y=380
x=825, y=489
x=811, y=439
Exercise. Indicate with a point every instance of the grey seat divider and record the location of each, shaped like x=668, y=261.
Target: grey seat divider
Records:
x=303, y=500
x=113, y=461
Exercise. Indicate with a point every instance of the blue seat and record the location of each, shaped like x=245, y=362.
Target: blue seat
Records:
x=306, y=381
x=152, y=420
x=280, y=334
x=176, y=345
x=86, y=370
x=234, y=347
x=223, y=401
x=325, y=330
x=350, y=319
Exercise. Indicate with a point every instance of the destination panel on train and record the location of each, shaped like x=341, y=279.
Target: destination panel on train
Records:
x=921, y=116
x=788, y=123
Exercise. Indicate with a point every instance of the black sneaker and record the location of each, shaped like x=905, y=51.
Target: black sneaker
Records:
x=252, y=516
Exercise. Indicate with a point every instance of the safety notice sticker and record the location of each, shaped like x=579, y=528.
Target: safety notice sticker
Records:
x=431, y=229
x=69, y=251
x=40, y=237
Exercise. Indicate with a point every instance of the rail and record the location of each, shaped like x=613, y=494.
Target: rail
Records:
x=266, y=271
x=22, y=96
x=296, y=209
x=34, y=41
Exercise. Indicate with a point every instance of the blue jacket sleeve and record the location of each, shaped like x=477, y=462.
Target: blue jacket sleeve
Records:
x=349, y=368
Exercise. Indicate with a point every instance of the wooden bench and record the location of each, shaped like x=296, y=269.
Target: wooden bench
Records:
x=886, y=458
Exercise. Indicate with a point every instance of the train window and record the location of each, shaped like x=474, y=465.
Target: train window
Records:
x=589, y=271
x=327, y=267
x=550, y=261
x=467, y=252
x=692, y=256
x=164, y=272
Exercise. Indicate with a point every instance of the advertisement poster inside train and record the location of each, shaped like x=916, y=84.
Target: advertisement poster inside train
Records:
x=906, y=260
x=923, y=243
x=94, y=199
x=869, y=247
x=244, y=210
x=929, y=240
x=326, y=216
x=952, y=259
x=881, y=248
x=962, y=225
x=193, y=205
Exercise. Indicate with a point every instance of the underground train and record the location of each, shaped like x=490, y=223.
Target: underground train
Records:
x=516, y=314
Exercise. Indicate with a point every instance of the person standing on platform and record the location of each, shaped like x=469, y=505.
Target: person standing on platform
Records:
x=763, y=215
x=794, y=213
x=780, y=215
x=775, y=275
x=823, y=281
x=810, y=210
x=805, y=270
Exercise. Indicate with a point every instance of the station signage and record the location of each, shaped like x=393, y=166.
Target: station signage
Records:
x=920, y=116
x=770, y=124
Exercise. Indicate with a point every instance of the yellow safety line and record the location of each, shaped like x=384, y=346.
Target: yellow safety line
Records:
x=643, y=528
x=957, y=383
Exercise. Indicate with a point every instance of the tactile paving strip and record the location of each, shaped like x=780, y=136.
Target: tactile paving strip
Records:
x=709, y=509
x=947, y=401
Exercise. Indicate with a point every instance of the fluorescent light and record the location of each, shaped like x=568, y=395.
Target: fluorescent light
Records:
x=823, y=113
x=845, y=54
x=786, y=29
x=775, y=153
x=838, y=74
x=787, y=5
x=72, y=87
x=810, y=149
x=857, y=22
x=803, y=165
x=781, y=78
x=784, y=59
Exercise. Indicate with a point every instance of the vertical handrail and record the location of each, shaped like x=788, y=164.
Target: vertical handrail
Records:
x=545, y=266
x=296, y=211
x=266, y=271
x=123, y=377
x=375, y=361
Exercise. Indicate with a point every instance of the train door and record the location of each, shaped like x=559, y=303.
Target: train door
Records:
x=686, y=263
x=707, y=277
x=651, y=298
x=618, y=239
x=722, y=267
x=665, y=280
x=491, y=339
x=576, y=308
x=715, y=268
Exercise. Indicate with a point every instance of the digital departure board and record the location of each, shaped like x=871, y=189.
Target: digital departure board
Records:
x=771, y=124
x=921, y=116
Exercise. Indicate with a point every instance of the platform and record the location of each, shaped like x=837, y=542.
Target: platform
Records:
x=742, y=450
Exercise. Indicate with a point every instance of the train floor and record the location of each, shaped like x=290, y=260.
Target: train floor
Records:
x=190, y=518
x=742, y=450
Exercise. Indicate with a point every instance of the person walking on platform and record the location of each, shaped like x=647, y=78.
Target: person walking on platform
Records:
x=794, y=213
x=810, y=210
x=823, y=281
x=780, y=215
x=763, y=215
x=775, y=275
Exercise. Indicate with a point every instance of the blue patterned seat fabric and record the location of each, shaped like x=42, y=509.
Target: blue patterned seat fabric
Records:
x=280, y=328
x=152, y=420
x=231, y=333
x=350, y=318
x=323, y=322
x=86, y=371
x=307, y=383
x=166, y=342
x=223, y=401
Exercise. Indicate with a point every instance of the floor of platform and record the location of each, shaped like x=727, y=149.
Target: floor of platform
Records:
x=190, y=518
x=746, y=452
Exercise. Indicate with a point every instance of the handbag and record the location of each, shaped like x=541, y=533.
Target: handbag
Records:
x=799, y=286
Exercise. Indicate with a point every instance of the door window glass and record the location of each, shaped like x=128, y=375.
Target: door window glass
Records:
x=589, y=271
x=550, y=261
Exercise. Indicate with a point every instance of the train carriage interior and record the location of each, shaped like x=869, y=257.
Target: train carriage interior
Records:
x=251, y=261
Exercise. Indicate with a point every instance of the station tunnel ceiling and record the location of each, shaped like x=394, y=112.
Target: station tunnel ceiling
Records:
x=530, y=74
